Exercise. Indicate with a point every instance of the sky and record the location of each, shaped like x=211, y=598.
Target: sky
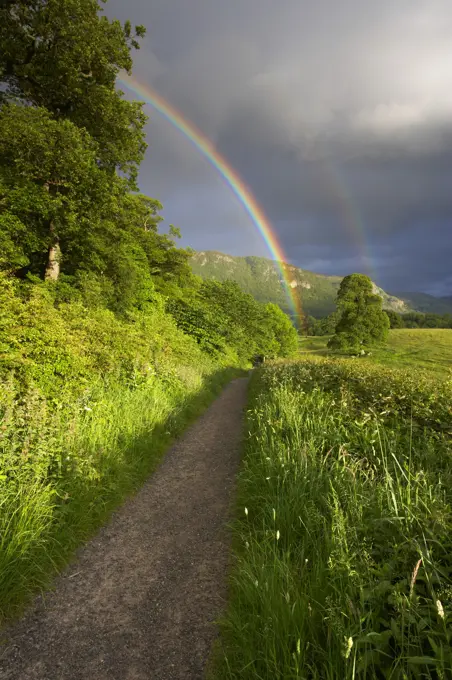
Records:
x=337, y=115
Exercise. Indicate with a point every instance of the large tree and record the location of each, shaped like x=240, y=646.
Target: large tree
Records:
x=65, y=57
x=51, y=187
x=362, y=320
x=58, y=66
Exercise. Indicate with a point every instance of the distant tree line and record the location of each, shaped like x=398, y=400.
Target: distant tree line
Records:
x=327, y=325
x=419, y=320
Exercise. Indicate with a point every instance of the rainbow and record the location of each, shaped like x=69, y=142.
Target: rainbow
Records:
x=351, y=215
x=232, y=178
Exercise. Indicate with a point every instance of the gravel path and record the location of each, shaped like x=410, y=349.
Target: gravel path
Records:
x=141, y=599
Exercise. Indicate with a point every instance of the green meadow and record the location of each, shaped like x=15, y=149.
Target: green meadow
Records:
x=422, y=348
x=342, y=541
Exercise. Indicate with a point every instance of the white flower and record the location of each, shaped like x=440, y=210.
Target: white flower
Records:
x=439, y=608
x=246, y=512
x=87, y=408
x=277, y=535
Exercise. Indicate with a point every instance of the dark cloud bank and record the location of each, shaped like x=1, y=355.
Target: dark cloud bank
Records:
x=337, y=115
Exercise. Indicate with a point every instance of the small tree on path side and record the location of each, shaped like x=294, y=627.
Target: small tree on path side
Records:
x=362, y=321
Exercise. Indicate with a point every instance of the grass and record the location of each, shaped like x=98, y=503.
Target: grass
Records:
x=63, y=474
x=343, y=536
x=429, y=349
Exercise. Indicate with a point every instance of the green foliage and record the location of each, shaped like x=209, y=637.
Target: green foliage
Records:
x=325, y=326
x=222, y=318
x=395, y=320
x=362, y=321
x=88, y=402
x=285, y=338
x=342, y=540
x=48, y=176
x=416, y=320
x=419, y=320
x=65, y=57
x=70, y=144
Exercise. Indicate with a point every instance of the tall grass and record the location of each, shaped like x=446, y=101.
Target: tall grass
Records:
x=63, y=470
x=343, y=542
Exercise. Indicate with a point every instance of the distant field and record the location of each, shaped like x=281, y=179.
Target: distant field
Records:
x=425, y=348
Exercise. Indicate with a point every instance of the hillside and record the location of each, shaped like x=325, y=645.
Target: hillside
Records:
x=427, y=304
x=261, y=278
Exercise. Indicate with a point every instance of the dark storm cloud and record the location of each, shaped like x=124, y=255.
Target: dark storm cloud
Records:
x=337, y=115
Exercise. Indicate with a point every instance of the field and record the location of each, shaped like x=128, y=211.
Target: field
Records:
x=343, y=536
x=425, y=348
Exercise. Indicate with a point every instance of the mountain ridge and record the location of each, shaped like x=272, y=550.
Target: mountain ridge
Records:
x=261, y=277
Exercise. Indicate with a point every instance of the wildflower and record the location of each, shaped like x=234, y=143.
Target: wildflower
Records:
x=277, y=535
x=348, y=646
x=256, y=583
x=247, y=544
x=267, y=478
x=439, y=608
x=246, y=512
x=87, y=408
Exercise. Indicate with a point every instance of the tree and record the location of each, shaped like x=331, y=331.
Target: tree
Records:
x=325, y=326
x=285, y=336
x=50, y=184
x=58, y=65
x=65, y=57
x=395, y=320
x=363, y=321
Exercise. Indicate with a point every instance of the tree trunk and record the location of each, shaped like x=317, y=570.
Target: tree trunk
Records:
x=53, y=261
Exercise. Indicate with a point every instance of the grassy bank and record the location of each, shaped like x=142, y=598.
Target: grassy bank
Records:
x=88, y=403
x=343, y=537
x=430, y=349
x=62, y=480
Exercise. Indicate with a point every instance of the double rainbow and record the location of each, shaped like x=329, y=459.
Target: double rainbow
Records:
x=232, y=178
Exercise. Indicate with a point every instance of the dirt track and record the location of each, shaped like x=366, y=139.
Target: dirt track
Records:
x=140, y=600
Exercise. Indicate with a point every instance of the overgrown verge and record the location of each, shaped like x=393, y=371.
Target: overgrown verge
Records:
x=108, y=342
x=88, y=404
x=343, y=539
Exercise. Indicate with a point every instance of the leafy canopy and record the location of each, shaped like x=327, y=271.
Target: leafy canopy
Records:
x=362, y=320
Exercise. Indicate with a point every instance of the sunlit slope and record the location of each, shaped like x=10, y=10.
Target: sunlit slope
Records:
x=262, y=278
